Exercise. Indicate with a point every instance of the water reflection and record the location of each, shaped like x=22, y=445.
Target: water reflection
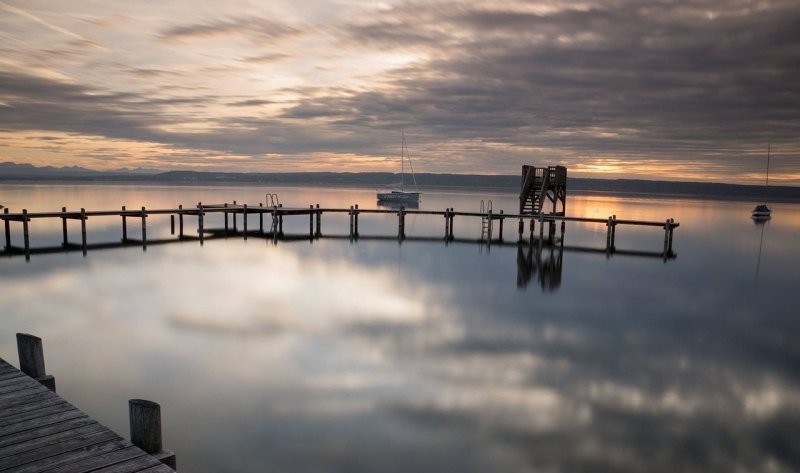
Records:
x=388, y=204
x=334, y=356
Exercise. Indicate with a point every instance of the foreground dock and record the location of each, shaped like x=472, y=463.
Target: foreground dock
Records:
x=40, y=431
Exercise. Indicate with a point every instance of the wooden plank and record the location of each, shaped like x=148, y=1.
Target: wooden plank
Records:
x=64, y=424
x=66, y=461
x=10, y=377
x=16, y=384
x=32, y=411
x=67, y=414
x=19, y=394
x=37, y=396
x=51, y=440
x=144, y=463
x=103, y=460
x=76, y=439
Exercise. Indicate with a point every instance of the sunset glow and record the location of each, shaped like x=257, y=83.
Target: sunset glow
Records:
x=676, y=91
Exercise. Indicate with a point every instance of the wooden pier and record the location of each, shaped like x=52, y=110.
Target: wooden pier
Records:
x=275, y=215
x=40, y=431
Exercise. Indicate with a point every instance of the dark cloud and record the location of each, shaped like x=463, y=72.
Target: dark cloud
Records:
x=259, y=29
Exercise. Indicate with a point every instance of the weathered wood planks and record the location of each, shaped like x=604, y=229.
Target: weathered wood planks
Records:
x=40, y=431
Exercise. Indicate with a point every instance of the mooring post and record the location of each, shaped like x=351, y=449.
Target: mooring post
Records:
x=261, y=218
x=124, y=226
x=144, y=229
x=64, y=226
x=200, y=221
x=311, y=221
x=235, y=229
x=171, y=224
x=145, y=422
x=446, y=223
x=355, y=217
x=7, y=226
x=319, y=222
x=401, y=223
x=25, y=237
x=452, y=221
x=500, y=235
x=671, y=229
x=83, y=231
x=244, y=220
x=666, y=237
x=613, y=232
x=180, y=221
x=350, y=215
x=31, y=359
x=226, y=218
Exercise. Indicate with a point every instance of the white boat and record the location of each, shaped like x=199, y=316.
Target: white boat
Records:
x=762, y=211
x=400, y=195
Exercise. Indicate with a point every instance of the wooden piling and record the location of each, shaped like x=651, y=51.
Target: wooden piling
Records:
x=452, y=222
x=83, y=231
x=235, y=228
x=180, y=221
x=144, y=229
x=124, y=226
x=541, y=226
x=280, y=221
x=261, y=217
x=521, y=229
x=25, y=236
x=350, y=215
x=401, y=223
x=145, y=424
x=608, y=234
x=319, y=222
x=171, y=224
x=226, y=219
x=355, y=217
x=7, y=226
x=613, y=232
x=200, y=221
x=311, y=221
x=671, y=229
x=31, y=359
x=447, y=223
x=500, y=232
x=666, y=237
x=64, y=233
x=244, y=220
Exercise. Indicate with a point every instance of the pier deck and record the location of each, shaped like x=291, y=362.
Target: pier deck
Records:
x=40, y=431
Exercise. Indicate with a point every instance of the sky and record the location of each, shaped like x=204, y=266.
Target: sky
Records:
x=662, y=89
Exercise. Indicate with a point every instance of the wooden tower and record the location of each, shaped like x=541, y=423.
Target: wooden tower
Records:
x=542, y=189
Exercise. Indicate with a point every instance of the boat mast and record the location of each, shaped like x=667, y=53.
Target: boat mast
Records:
x=402, y=159
x=766, y=184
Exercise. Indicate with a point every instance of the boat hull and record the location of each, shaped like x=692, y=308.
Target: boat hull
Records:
x=398, y=196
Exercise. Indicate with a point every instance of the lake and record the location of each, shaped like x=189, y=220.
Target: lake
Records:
x=372, y=355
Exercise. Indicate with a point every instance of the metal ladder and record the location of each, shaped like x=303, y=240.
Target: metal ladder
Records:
x=486, y=221
x=272, y=200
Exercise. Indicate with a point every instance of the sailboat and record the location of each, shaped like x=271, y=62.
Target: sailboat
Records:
x=762, y=211
x=400, y=195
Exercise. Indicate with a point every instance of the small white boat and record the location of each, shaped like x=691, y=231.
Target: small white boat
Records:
x=400, y=195
x=762, y=211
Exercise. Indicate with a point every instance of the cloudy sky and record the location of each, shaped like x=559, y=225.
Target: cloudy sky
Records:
x=667, y=89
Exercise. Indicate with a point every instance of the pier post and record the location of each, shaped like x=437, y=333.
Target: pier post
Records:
x=311, y=221
x=613, y=232
x=171, y=224
x=31, y=359
x=235, y=229
x=521, y=230
x=446, y=223
x=489, y=222
x=180, y=221
x=64, y=226
x=261, y=218
x=452, y=222
x=200, y=221
x=671, y=229
x=280, y=221
x=532, y=225
x=144, y=229
x=401, y=223
x=124, y=226
x=7, y=226
x=25, y=237
x=145, y=423
x=226, y=218
x=541, y=227
x=350, y=215
x=500, y=235
x=244, y=220
x=666, y=237
x=319, y=222
x=83, y=231
x=355, y=217
x=608, y=234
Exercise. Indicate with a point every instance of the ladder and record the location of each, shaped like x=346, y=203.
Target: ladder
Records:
x=486, y=221
x=272, y=200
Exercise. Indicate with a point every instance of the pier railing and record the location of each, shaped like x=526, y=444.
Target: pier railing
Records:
x=275, y=215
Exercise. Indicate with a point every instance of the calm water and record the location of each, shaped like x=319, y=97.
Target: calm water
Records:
x=335, y=356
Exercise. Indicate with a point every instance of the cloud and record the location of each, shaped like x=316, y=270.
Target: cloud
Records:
x=258, y=29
